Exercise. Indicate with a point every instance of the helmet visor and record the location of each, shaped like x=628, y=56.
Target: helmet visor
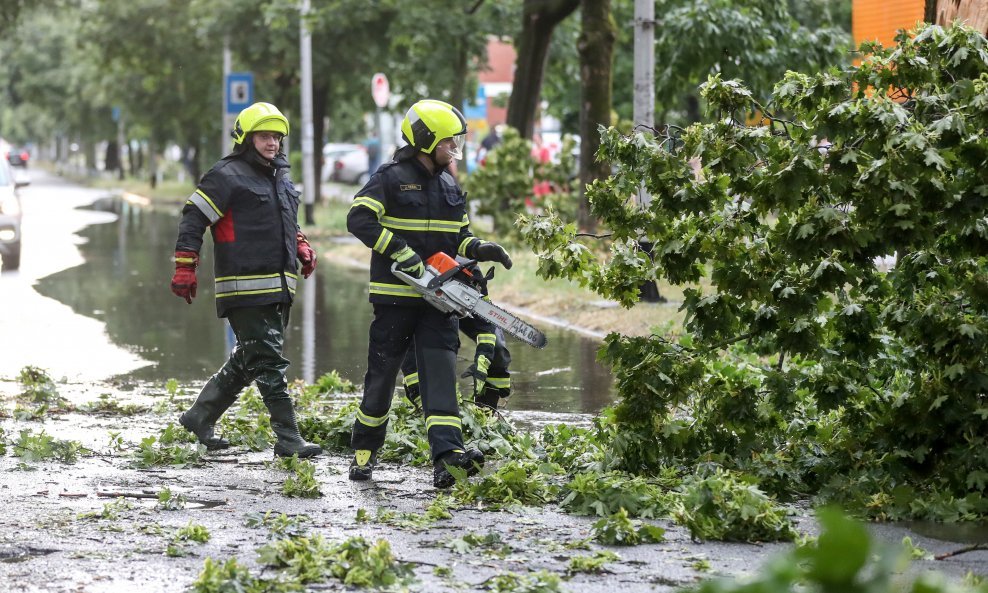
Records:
x=456, y=149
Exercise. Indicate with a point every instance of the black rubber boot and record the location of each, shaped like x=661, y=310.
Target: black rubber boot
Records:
x=201, y=418
x=471, y=460
x=283, y=423
x=362, y=465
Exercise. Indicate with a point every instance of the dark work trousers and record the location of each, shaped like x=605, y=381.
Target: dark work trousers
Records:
x=257, y=355
x=498, y=377
x=436, y=342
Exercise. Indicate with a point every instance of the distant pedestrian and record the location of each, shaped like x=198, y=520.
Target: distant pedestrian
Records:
x=490, y=141
x=251, y=208
x=373, y=146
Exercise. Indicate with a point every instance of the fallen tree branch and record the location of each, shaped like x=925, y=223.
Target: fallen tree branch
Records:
x=126, y=495
x=958, y=552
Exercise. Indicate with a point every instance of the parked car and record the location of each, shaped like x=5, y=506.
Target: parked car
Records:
x=18, y=156
x=10, y=218
x=345, y=163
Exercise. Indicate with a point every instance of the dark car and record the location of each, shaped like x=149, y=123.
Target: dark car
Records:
x=10, y=218
x=18, y=156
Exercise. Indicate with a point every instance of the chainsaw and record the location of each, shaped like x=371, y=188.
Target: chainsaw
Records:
x=447, y=286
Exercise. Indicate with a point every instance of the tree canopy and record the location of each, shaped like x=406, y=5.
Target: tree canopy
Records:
x=804, y=363
x=160, y=63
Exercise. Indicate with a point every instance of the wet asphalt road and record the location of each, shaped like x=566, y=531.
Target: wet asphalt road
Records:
x=39, y=331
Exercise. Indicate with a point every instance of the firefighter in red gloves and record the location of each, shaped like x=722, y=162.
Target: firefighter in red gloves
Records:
x=250, y=206
x=410, y=209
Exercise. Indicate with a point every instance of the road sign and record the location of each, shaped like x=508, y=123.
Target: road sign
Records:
x=380, y=89
x=477, y=108
x=239, y=91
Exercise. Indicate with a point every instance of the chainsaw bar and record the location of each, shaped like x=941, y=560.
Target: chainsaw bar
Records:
x=456, y=298
x=510, y=324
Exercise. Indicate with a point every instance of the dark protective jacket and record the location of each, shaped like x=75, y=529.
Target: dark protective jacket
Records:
x=252, y=211
x=403, y=204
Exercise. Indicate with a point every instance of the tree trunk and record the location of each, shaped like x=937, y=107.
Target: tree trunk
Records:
x=693, y=114
x=192, y=161
x=112, y=161
x=135, y=160
x=320, y=104
x=944, y=12
x=539, y=19
x=596, y=47
x=152, y=162
x=90, y=151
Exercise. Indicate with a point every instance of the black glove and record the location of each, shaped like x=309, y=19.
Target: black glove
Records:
x=409, y=262
x=490, y=251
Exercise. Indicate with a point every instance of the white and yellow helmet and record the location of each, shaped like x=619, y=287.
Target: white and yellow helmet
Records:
x=429, y=122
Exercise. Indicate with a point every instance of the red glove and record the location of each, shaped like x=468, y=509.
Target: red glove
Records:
x=306, y=255
x=184, y=281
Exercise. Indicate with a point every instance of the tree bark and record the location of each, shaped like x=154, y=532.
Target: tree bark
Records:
x=320, y=104
x=192, y=164
x=693, y=114
x=539, y=19
x=596, y=47
x=112, y=160
x=945, y=12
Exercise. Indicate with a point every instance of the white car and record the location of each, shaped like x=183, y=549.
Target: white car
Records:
x=345, y=163
x=10, y=217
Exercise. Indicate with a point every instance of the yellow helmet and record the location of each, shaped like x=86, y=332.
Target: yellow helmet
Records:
x=259, y=117
x=429, y=121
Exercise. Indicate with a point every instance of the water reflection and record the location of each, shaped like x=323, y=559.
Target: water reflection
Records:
x=124, y=283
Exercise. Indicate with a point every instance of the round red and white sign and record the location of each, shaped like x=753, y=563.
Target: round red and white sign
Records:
x=380, y=89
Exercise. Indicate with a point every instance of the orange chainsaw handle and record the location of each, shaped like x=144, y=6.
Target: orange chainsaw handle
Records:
x=447, y=268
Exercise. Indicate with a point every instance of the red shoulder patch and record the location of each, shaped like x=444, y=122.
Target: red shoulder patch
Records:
x=223, y=230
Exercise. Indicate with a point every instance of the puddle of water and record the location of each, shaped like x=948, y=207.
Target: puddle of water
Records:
x=962, y=533
x=124, y=283
x=12, y=555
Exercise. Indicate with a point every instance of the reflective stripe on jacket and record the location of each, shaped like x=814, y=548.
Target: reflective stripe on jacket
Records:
x=403, y=204
x=252, y=214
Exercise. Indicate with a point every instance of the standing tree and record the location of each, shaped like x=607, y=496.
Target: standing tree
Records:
x=754, y=40
x=944, y=12
x=804, y=364
x=596, y=46
x=160, y=75
x=539, y=19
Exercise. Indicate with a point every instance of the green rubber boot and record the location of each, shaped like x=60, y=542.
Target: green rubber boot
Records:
x=200, y=419
x=283, y=423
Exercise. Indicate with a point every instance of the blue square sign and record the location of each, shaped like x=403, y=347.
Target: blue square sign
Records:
x=239, y=91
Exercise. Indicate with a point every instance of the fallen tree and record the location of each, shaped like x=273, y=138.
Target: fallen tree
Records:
x=803, y=364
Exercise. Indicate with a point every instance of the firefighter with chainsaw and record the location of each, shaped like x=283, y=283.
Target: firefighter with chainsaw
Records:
x=250, y=206
x=410, y=209
x=491, y=379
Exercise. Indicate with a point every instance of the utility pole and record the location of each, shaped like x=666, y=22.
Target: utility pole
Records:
x=310, y=185
x=644, y=99
x=644, y=112
x=227, y=124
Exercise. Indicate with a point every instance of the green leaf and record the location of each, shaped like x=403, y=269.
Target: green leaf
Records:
x=932, y=157
x=841, y=551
